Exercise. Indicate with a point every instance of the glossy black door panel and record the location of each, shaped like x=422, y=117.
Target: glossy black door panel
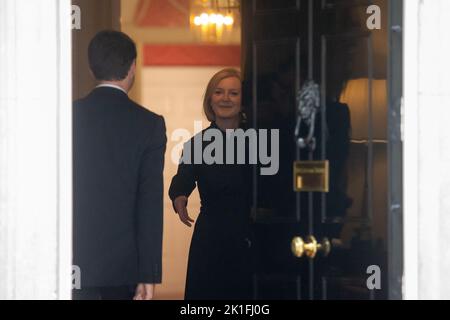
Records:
x=285, y=44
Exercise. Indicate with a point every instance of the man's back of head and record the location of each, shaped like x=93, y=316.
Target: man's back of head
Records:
x=112, y=56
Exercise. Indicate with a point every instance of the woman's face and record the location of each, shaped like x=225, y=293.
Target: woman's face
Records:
x=226, y=99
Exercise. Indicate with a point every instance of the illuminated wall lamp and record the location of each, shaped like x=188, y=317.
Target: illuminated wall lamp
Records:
x=213, y=19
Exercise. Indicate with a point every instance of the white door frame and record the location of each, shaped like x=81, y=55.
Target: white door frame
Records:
x=35, y=149
x=426, y=149
x=410, y=135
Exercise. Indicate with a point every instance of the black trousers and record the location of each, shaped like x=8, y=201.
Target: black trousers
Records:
x=104, y=293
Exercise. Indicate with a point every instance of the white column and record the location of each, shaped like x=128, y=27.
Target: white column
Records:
x=427, y=149
x=411, y=152
x=35, y=149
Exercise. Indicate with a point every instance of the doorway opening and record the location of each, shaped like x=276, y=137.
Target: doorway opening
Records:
x=280, y=45
x=181, y=44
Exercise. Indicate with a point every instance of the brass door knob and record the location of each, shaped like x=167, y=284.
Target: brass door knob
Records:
x=297, y=246
x=310, y=248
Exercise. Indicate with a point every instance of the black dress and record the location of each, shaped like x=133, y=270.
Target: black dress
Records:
x=220, y=259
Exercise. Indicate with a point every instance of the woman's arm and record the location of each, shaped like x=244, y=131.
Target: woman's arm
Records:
x=183, y=183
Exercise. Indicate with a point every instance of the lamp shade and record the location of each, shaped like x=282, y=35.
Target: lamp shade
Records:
x=363, y=111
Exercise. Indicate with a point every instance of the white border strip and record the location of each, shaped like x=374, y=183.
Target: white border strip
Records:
x=64, y=282
x=411, y=149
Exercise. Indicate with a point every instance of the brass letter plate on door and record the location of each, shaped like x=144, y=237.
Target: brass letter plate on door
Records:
x=311, y=176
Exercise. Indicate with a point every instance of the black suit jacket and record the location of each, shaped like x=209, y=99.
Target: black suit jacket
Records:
x=118, y=190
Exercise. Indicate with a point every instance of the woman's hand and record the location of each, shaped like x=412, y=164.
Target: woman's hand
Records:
x=180, y=204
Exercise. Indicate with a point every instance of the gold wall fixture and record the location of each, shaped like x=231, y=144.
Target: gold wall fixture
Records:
x=213, y=19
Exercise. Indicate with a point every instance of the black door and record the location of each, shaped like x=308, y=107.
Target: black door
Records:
x=341, y=235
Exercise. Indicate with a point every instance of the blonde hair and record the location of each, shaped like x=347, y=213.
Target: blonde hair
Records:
x=212, y=85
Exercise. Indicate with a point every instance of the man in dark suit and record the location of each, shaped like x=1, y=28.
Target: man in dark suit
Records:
x=118, y=180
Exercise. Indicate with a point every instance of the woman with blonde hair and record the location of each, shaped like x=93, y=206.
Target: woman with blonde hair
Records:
x=220, y=256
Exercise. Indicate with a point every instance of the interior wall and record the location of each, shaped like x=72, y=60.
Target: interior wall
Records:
x=175, y=92
x=172, y=32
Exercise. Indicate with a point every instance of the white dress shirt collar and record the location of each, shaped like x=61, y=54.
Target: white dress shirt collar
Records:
x=112, y=86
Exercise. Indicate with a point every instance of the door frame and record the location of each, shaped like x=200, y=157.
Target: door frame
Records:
x=395, y=151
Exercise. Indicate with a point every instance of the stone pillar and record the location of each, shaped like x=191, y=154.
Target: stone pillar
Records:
x=427, y=150
x=35, y=149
